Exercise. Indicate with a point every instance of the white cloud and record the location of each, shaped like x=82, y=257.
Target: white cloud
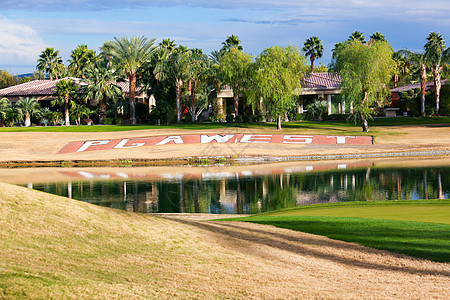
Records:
x=19, y=43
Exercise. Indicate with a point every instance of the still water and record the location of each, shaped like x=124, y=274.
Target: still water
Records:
x=251, y=191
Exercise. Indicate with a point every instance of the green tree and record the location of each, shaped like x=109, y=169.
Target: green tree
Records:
x=357, y=36
x=365, y=71
x=80, y=59
x=101, y=85
x=6, y=79
x=377, y=37
x=198, y=68
x=173, y=66
x=50, y=62
x=276, y=75
x=78, y=111
x=4, y=106
x=434, y=57
x=27, y=107
x=128, y=55
x=417, y=60
x=313, y=48
x=65, y=91
x=234, y=68
x=231, y=42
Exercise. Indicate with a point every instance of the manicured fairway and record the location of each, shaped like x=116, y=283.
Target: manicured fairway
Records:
x=419, y=230
x=437, y=211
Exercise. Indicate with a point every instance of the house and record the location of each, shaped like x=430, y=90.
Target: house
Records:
x=430, y=86
x=44, y=91
x=323, y=85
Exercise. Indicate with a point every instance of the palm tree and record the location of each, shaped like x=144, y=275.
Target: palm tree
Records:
x=129, y=55
x=4, y=106
x=198, y=66
x=101, y=86
x=168, y=44
x=377, y=37
x=417, y=60
x=231, y=42
x=65, y=91
x=174, y=66
x=50, y=62
x=314, y=49
x=434, y=56
x=78, y=111
x=26, y=107
x=357, y=36
x=80, y=59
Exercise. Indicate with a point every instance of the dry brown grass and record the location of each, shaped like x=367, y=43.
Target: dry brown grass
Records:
x=54, y=247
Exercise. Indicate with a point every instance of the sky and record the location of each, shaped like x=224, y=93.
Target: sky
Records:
x=27, y=27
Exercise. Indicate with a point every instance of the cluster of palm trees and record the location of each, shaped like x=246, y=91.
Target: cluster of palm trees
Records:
x=188, y=76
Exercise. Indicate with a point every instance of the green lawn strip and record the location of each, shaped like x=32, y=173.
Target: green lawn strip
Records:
x=322, y=127
x=418, y=239
x=435, y=211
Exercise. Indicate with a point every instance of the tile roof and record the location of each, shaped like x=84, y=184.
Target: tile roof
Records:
x=321, y=81
x=47, y=87
x=408, y=87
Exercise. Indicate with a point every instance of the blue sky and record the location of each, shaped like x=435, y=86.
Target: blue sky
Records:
x=28, y=26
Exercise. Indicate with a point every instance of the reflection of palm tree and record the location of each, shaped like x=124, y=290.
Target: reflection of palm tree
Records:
x=129, y=55
x=26, y=107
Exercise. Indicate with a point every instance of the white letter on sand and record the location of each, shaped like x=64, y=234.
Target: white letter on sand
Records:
x=297, y=139
x=218, y=138
x=341, y=139
x=261, y=138
x=175, y=138
x=123, y=143
x=91, y=143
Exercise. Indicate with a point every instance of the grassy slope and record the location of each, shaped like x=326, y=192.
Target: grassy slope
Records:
x=54, y=247
x=405, y=228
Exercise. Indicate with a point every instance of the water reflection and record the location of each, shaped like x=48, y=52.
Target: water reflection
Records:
x=253, y=191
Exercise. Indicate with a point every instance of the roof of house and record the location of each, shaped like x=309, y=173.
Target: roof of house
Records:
x=321, y=81
x=47, y=87
x=408, y=87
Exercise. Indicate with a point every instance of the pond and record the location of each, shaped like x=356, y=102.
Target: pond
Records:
x=243, y=189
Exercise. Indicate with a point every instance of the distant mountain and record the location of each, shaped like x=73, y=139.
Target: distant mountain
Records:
x=24, y=75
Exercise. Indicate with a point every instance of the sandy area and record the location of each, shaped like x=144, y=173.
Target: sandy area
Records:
x=43, y=146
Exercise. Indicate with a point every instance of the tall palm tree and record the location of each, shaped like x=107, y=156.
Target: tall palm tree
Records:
x=313, y=48
x=418, y=60
x=128, y=55
x=434, y=56
x=357, y=36
x=50, y=62
x=26, y=107
x=168, y=44
x=81, y=58
x=66, y=91
x=198, y=66
x=174, y=66
x=101, y=85
x=377, y=37
x=231, y=42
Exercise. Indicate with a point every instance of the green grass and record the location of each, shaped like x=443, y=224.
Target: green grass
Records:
x=419, y=229
x=327, y=127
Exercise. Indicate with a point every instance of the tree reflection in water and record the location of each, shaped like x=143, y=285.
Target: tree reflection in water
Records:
x=254, y=194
